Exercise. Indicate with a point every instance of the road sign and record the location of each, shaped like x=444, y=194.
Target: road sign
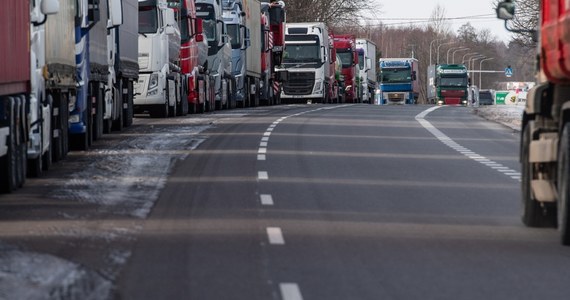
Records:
x=509, y=71
x=500, y=97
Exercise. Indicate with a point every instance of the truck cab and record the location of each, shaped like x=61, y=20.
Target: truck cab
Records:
x=398, y=81
x=157, y=90
x=219, y=48
x=345, y=46
x=448, y=84
x=306, y=59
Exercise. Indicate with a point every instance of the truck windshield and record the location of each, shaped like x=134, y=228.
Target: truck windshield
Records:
x=148, y=19
x=207, y=14
x=184, y=29
x=453, y=81
x=234, y=33
x=361, y=60
x=345, y=56
x=395, y=75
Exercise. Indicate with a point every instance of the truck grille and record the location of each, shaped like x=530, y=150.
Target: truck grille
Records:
x=299, y=83
x=396, y=97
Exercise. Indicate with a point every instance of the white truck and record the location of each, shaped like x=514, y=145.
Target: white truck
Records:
x=158, y=87
x=367, y=72
x=306, y=58
x=219, y=51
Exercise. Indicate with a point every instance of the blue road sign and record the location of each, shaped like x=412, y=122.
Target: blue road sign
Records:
x=509, y=72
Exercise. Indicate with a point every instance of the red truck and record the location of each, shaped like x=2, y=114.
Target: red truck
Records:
x=273, y=20
x=345, y=46
x=28, y=118
x=333, y=87
x=545, y=129
x=15, y=75
x=192, y=45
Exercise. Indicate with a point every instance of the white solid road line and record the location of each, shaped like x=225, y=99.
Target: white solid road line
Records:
x=275, y=236
x=465, y=151
x=290, y=291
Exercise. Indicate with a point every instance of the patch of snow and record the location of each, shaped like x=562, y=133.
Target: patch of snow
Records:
x=508, y=115
x=28, y=275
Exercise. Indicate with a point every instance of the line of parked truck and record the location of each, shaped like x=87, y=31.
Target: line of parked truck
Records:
x=72, y=70
x=67, y=69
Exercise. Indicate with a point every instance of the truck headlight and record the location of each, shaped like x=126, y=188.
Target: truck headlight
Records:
x=318, y=87
x=153, y=81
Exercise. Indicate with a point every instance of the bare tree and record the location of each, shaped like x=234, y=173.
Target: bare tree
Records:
x=332, y=12
x=525, y=22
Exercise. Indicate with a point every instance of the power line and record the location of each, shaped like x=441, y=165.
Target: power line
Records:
x=486, y=16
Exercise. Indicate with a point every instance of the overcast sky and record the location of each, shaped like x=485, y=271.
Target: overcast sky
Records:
x=399, y=11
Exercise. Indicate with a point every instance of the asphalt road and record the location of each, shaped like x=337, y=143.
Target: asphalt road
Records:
x=346, y=202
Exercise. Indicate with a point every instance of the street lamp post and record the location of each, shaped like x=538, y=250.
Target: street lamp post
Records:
x=448, y=50
x=430, y=44
x=480, y=65
x=472, y=62
x=468, y=54
x=437, y=59
x=453, y=54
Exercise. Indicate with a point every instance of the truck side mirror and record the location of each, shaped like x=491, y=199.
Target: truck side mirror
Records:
x=506, y=10
x=115, y=13
x=50, y=7
x=368, y=64
x=94, y=14
x=199, y=30
x=414, y=76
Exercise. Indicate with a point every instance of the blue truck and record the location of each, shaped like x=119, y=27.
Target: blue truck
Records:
x=397, y=81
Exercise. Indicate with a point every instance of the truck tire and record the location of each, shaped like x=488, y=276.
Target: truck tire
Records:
x=563, y=185
x=118, y=123
x=533, y=213
x=183, y=107
x=21, y=143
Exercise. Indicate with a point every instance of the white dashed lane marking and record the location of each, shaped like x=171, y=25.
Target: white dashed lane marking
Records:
x=266, y=199
x=275, y=236
x=465, y=151
x=290, y=291
x=262, y=175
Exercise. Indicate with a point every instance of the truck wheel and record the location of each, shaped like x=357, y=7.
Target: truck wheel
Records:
x=533, y=213
x=563, y=188
x=118, y=123
x=21, y=144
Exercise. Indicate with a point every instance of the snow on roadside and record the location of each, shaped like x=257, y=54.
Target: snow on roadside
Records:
x=123, y=179
x=508, y=115
x=29, y=275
